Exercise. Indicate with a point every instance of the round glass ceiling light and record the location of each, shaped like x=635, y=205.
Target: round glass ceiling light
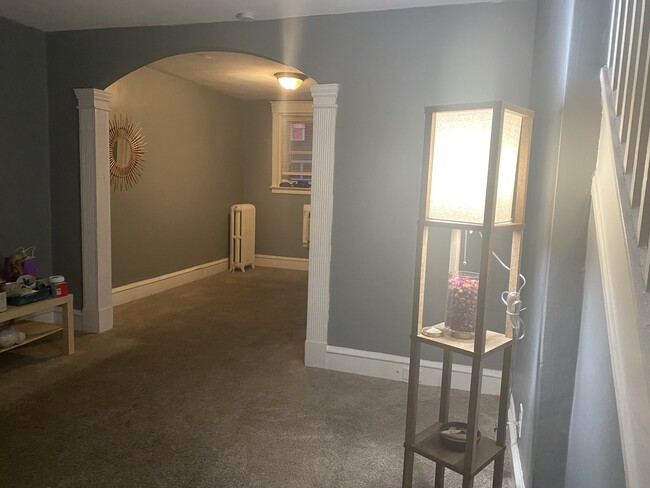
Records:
x=290, y=81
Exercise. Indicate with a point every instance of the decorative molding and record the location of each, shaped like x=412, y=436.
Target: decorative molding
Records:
x=320, y=241
x=625, y=306
x=140, y=289
x=94, y=106
x=517, y=468
x=390, y=367
x=281, y=262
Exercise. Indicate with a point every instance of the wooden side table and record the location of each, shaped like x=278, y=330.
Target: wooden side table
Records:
x=37, y=330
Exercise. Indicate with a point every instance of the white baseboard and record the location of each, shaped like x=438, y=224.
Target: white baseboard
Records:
x=517, y=469
x=282, y=262
x=144, y=288
x=388, y=366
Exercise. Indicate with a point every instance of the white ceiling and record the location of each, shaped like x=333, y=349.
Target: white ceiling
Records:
x=241, y=76
x=59, y=15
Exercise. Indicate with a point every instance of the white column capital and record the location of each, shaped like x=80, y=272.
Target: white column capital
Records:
x=325, y=95
x=93, y=99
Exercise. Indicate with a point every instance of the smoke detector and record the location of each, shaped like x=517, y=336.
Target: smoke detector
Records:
x=245, y=17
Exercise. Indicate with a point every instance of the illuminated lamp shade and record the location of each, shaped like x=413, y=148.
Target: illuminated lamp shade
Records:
x=290, y=81
x=461, y=156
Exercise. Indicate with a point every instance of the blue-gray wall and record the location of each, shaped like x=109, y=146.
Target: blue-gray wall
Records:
x=570, y=48
x=24, y=152
x=550, y=64
x=452, y=54
x=595, y=456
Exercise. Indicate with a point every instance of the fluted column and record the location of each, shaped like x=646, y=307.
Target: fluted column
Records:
x=320, y=238
x=94, y=109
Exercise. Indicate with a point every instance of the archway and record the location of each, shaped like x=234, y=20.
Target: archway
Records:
x=94, y=108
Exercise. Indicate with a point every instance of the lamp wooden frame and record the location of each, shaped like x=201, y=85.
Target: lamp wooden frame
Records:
x=486, y=342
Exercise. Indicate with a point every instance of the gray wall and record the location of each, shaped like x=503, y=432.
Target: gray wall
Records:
x=279, y=216
x=24, y=160
x=595, y=456
x=550, y=64
x=176, y=216
x=452, y=54
x=569, y=51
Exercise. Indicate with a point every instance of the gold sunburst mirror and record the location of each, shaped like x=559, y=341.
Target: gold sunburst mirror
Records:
x=126, y=152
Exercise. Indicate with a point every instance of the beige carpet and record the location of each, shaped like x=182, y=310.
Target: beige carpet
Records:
x=204, y=386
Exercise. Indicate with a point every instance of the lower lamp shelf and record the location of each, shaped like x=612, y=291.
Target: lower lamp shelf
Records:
x=428, y=444
x=494, y=341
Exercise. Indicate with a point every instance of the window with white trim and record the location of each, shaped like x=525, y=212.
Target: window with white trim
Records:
x=293, y=128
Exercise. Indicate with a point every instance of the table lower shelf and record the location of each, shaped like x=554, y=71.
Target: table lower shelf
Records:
x=33, y=331
x=428, y=444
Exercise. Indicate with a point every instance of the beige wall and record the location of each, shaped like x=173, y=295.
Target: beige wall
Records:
x=177, y=214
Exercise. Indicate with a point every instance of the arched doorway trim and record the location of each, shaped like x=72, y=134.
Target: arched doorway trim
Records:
x=94, y=109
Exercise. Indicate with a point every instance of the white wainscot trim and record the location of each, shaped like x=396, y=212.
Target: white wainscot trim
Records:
x=390, y=367
x=625, y=302
x=281, y=262
x=145, y=288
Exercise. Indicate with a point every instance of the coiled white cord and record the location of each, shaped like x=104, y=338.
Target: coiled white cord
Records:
x=514, y=304
x=511, y=299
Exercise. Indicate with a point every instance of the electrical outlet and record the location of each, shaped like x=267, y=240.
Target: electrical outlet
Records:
x=520, y=420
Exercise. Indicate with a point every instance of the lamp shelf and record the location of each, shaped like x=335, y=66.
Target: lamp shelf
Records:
x=469, y=226
x=428, y=444
x=494, y=341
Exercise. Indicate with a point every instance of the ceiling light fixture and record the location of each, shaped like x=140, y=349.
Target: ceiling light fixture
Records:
x=290, y=81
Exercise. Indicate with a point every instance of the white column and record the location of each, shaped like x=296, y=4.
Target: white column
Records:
x=320, y=245
x=94, y=109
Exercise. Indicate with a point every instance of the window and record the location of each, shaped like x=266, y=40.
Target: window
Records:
x=293, y=129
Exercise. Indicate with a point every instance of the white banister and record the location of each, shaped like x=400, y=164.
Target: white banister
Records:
x=626, y=306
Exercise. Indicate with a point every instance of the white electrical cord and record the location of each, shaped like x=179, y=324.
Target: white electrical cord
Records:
x=514, y=304
x=511, y=299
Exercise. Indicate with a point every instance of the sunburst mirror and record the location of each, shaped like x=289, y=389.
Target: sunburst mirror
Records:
x=126, y=152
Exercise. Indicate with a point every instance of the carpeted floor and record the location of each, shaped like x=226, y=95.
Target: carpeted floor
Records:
x=204, y=386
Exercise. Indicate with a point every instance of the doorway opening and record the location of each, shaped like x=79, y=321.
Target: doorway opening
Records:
x=95, y=107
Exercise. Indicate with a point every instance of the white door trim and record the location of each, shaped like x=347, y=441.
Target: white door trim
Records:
x=320, y=234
